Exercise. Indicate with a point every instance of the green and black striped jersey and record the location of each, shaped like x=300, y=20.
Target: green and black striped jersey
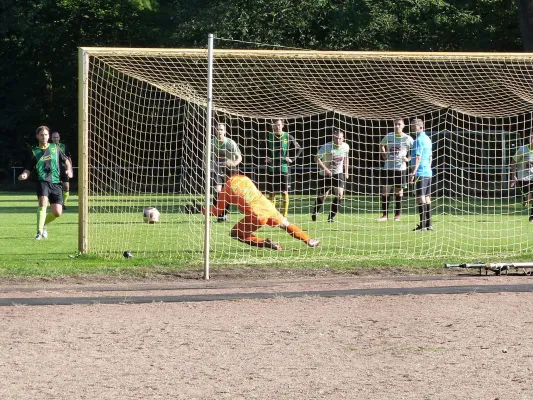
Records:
x=46, y=162
x=279, y=147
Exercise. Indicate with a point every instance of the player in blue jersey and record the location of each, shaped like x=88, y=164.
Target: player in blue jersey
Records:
x=421, y=174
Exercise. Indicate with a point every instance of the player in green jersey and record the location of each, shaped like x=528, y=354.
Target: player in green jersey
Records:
x=46, y=159
x=65, y=180
x=280, y=145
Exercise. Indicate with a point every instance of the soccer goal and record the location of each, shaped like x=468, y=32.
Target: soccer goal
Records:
x=143, y=140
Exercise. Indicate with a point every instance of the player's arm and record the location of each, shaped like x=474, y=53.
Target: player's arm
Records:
x=321, y=165
x=267, y=150
x=223, y=198
x=513, y=170
x=296, y=148
x=383, y=149
x=415, y=168
x=236, y=156
x=24, y=175
x=68, y=165
x=28, y=168
x=347, y=166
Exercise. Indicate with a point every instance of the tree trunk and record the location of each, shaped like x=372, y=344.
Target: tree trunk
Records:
x=525, y=10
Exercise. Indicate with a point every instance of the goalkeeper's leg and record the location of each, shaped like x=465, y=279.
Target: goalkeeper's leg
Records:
x=244, y=230
x=295, y=231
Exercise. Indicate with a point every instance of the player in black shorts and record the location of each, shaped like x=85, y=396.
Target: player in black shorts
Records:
x=46, y=159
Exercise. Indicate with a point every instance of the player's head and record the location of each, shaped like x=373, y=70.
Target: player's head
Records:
x=278, y=125
x=221, y=131
x=55, y=137
x=417, y=125
x=42, y=134
x=338, y=137
x=399, y=124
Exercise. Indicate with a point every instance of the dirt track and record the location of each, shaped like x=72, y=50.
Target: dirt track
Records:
x=461, y=346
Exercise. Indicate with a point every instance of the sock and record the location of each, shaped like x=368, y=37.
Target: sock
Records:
x=226, y=210
x=334, y=207
x=285, y=204
x=422, y=213
x=296, y=232
x=41, y=217
x=318, y=204
x=65, y=197
x=385, y=204
x=272, y=198
x=398, y=207
x=50, y=218
x=428, y=215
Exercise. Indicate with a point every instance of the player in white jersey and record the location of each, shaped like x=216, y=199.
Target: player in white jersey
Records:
x=225, y=153
x=395, y=150
x=334, y=162
x=522, y=173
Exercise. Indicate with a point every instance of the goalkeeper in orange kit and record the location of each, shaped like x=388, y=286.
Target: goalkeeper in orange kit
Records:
x=258, y=211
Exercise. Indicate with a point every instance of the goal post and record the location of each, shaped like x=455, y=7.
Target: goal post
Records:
x=146, y=126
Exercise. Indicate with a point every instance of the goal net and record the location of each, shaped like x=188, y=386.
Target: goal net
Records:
x=144, y=138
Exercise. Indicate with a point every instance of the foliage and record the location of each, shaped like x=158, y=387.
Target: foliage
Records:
x=38, y=71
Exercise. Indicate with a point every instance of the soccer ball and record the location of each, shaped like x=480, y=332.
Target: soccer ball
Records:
x=151, y=215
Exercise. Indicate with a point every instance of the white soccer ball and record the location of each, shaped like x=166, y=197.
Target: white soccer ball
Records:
x=151, y=215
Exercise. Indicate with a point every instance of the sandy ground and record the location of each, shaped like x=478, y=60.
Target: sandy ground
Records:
x=460, y=346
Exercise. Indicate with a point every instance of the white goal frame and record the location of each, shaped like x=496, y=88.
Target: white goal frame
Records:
x=83, y=89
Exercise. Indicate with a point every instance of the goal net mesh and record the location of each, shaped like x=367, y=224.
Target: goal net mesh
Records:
x=146, y=112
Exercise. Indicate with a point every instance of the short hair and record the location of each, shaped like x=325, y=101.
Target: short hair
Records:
x=337, y=132
x=418, y=122
x=399, y=119
x=41, y=128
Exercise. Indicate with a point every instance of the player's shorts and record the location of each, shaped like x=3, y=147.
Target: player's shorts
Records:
x=53, y=191
x=336, y=181
x=218, y=173
x=393, y=177
x=422, y=186
x=525, y=187
x=277, y=182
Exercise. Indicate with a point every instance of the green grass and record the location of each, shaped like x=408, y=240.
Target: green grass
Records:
x=489, y=230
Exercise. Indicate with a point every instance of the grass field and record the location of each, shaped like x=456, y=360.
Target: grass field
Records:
x=489, y=230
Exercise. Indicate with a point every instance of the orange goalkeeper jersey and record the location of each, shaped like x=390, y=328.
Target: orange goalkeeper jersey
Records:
x=241, y=191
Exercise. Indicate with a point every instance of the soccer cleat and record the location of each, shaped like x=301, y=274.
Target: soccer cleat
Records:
x=38, y=236
x=383, y=218
x=313, y=217
x=223, y=218
x=44, y=233
x=64, y=207
x=419, y=229
x=531, y=219
x=429, y=228
x=269, y=244
x=331, y=220
x=313, y=243
x=396, y=218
